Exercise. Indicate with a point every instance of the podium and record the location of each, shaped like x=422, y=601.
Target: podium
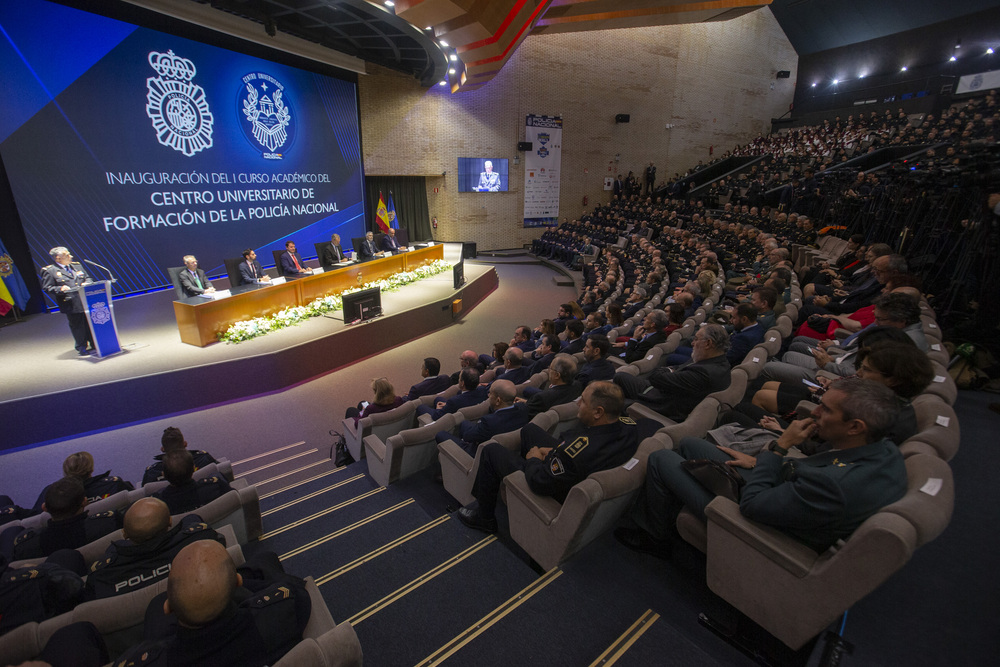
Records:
x=96, y=300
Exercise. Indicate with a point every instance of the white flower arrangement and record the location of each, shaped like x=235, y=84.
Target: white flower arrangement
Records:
x=259, y=326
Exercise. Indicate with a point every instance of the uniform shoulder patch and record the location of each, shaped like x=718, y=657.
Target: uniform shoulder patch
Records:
x=577, y=446
x=26, y=535
x=627, y=420
x=271, y=596
x=102, y=515
x=556, y=466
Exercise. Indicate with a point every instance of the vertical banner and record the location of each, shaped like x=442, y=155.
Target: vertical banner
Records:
x=541, y=170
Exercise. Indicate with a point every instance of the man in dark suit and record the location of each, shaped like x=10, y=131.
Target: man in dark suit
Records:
x=643, y=341
x=433, y=383
x=368, y=248
x=333, y=253
x=561, y=389
x=390, y=244
x=597, y=366
x=749, y=334
x=546, y=351
x=471, y=394
x=250, y=269
x=514, y=369
x=574, y=337
x=60, y=280
x=504, y=416
x=291, y=263
x=674, y=391
x=193, y=280
x=522, y=340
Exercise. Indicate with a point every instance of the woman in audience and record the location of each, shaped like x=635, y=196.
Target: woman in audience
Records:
x=614, y=313
x=385, y=400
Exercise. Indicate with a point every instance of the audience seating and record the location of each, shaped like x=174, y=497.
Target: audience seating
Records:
x=939, y=433
x=795, y=593
x=405, y=453
x=239, y=508
x=551, y=531
x=382, y=424
x=114, y=502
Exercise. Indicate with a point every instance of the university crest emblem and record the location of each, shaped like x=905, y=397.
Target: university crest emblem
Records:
x=267, y=115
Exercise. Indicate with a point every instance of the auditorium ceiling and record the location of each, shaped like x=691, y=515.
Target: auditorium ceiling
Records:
x=465, y=43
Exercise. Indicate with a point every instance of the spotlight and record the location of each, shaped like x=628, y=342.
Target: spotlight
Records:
x=903, y=69
x=952, y=59
x=389, y=3
x=989, y=51
x=451, y=71
x=443, y=43
x=814, y=85
x=836, y=81
x=958, y=44
x=443, y=83
x=862, y=75
x=453, y=57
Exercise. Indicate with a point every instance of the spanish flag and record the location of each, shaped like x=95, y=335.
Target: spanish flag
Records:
x=12, y=287
x=382, y=214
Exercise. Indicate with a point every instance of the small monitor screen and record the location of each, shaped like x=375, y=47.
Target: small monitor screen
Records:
x=458, y=274
x=363, y=305
x=477, y=174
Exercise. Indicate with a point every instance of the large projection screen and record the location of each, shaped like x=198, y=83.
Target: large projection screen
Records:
x=134, y=147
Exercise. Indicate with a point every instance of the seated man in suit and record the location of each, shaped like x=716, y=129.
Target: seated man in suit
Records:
x=69, y=528
x=193, y=280
x=184, y=493
x=504, y=416
x=172, y=440
x=561, y=388
x=214, y=615
x=368, y=248
x=433, y=382
x=291, y=263
x=522, y=340
x=749, y=333
x=333, y=253
x=143, y=557
x=514, y=369
x=390, y=244
x=548, y=347
x=674, y=391
x=651, y=333
x=817, y=499
x=471, y=394
x=553, y=466
x=574, y=337
x=597, y=366
x=250, y=269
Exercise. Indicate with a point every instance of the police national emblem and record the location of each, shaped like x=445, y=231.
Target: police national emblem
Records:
x=100, y=313
x=178, y=108
x=267, y=118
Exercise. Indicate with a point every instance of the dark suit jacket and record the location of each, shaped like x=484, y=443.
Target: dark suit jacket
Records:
x=574, y=346
x=501, y=421
x=188, y=284
x=432, y=385
x=288, y=266
x=602, y=369
x=557, y=395
x=368, y=249
x=389, y=243
x=516, y=375
x=331, y=255
x=540, y=365
x=638, y=349
x=675, y=394
x=246, y=276
x=454, y=404
x=741, y=342
x=53, y=279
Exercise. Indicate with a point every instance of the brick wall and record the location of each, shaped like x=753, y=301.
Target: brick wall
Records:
x=712, y=81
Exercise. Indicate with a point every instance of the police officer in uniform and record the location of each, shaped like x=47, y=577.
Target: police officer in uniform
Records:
x=184, y=493
x=60, y=280
x=552, y=466
x=95, y=487
x=216, y=616
x=70, y=526
x=144, y=556
x=171, y=440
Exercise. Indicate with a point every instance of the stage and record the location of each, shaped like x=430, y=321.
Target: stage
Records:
x=50, y=393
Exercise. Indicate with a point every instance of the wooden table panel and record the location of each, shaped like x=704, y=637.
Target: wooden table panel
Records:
x=201, y=322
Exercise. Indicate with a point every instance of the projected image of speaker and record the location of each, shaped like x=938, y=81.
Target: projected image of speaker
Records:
x=458, y=274
x=362, y=306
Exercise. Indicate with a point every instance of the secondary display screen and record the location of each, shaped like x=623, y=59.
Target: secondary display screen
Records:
x=476, y=174
x=133, y=147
